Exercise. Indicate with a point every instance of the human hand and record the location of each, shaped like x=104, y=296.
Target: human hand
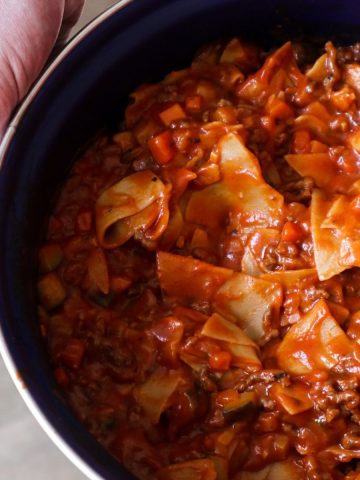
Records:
x=29, y=30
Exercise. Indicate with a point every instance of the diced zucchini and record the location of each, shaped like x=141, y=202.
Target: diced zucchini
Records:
x=236, y=405
x=172, y=114
x=125, y=140
x=51, y=291
x=50, y=257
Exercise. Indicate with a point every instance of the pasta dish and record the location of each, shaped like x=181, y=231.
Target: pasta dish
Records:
x=199, y=284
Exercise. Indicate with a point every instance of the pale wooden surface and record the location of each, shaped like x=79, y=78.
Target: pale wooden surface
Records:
x=26, y=452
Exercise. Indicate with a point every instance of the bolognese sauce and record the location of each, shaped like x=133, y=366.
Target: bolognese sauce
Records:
x=199, y=286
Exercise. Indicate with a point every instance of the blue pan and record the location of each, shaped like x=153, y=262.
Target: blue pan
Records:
x=83, y=90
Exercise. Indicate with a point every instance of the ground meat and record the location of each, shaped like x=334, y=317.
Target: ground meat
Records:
x=140, y=158
x=299, y=191
x=349, y=54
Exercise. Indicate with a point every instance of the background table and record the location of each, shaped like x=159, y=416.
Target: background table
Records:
x=26, y=452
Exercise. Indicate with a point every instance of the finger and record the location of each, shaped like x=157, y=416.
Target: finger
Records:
x=71, y=15
x=28, y=32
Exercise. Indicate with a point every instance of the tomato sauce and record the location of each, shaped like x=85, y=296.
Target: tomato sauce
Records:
x=199, y=285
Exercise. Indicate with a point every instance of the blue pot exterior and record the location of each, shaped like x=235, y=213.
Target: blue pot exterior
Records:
x=87, y=90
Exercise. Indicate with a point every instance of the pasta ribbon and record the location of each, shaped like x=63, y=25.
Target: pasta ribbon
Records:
x=249, y=301
x=335, y=228
x=154, y=394
x=241, y=193
x=316, y=342
x=134, y=205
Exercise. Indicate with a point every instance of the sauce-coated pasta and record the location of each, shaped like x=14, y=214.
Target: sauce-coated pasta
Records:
x=199, y=286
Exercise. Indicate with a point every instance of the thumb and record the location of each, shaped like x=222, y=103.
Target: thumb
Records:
x=28, y=32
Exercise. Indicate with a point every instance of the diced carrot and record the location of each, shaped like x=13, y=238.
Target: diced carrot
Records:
x=51, y=291
x=180, y=179
x=294, y=399
x=319, y=110
x=220, y=361
x=73, y=353
x=292, y=232
x=267, y=422
x=339, y=312
x=161, y=147
x=277, y=108
x=61, y=377
x=50, y=257
x=171, y=114
x=180, y=242
x=200, y=239
x=84, y=221
x=227, y=396
x=318, y=147
x=301, y=141
x=194, y=103
x=119, y=284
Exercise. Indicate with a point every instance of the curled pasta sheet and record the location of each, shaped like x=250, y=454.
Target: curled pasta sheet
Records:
x=290, y=278
x=278, y=72
x=318, y=70
x=274, y=471
x=240, y=298
x=294, y=399
x=316, y=342
x=187, y=279
x=249, y=301
x=135, y=204
x=244, y=356
x=335, y=234
x=243, y=350
x=240, y=53
x=153, y=395
x=252, y=261
x=318, y=166
x=242, y=194
x=221, y=329
x=179, y=178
